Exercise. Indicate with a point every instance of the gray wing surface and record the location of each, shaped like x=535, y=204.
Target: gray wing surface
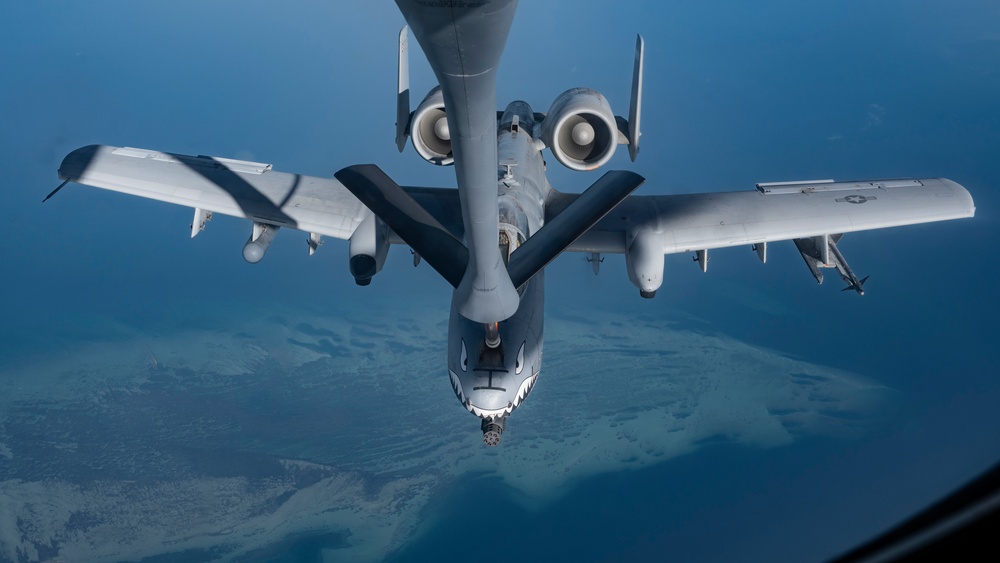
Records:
x=679, y=223
x=772, y=212
x=250, y=190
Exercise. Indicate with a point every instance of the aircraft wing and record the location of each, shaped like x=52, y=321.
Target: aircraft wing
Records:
x=250, y=190
x=772, y=212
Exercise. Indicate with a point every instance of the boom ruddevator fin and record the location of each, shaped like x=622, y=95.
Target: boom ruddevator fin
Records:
x=577, y=218
x=408, y=219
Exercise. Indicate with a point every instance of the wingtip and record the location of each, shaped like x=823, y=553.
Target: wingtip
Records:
x=53, y=192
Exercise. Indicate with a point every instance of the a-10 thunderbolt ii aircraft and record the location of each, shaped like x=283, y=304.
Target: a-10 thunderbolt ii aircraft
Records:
x=492, y=237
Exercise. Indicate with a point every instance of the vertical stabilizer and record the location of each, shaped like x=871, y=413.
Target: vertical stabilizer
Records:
x=403, y=88
x=635, y=104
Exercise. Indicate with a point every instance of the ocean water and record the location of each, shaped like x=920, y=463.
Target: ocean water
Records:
x=161, y=400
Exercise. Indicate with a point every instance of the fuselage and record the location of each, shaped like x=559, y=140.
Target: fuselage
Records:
x=491, y=378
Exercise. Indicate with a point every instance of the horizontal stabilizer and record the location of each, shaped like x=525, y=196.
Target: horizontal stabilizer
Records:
x=559, y=232
x=408, y=219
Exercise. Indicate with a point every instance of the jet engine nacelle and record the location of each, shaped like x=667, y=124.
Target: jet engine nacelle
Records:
x=429, y=130
x=644, y=260
x=580, y=129
x=369, y=247
x=259, y=241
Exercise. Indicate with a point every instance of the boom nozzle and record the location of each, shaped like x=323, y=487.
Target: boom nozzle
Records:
x=492, y=335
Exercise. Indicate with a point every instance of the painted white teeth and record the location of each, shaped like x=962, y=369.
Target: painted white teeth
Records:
x=522, y=392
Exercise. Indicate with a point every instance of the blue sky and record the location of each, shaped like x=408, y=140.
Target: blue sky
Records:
x=735, y=93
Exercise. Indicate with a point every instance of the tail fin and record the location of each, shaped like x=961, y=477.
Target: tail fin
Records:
x=635, y=104
x=403, y=89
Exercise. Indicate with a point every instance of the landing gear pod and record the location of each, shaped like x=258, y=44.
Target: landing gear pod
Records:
x=644, y=260
x=369, y=246
x=493, y=429
x=260, y=241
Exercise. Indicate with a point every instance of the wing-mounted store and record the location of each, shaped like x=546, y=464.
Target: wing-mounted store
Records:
x=822, y=252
